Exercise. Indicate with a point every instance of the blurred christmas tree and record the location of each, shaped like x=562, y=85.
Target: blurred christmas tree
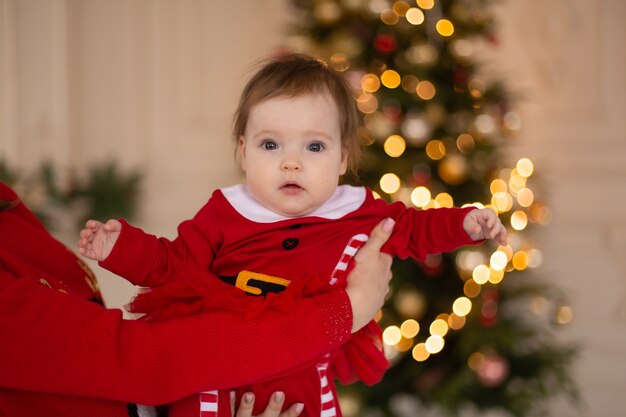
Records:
x=469, y=331
x=105, y=192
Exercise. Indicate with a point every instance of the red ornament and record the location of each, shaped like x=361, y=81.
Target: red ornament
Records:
x=385, y=43
x=489, y=313
x=493, y=370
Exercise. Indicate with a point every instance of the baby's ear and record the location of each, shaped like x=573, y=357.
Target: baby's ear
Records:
x=241, y=152
x=343, y=166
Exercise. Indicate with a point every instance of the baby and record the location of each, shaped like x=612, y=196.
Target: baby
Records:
x=296, y=133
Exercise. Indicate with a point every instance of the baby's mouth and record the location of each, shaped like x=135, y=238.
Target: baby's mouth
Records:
x=291, y=187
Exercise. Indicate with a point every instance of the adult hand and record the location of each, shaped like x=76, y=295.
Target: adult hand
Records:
x=368, y=282
x=272, y=410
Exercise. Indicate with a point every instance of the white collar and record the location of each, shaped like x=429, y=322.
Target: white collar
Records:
x=344, y=200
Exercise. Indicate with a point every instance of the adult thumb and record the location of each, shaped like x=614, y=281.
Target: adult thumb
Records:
x=378, y=237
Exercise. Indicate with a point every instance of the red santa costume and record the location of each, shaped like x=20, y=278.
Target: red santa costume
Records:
x=63, y=355
x=279, y=253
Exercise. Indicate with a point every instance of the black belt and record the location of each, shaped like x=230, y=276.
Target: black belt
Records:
x=255, y=283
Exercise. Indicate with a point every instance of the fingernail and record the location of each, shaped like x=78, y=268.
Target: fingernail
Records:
x=388, y=224
x=299, y=408
x=248, y=397
x=279, y=396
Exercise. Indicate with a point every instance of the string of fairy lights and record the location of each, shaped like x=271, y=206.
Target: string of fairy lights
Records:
x=511, y=196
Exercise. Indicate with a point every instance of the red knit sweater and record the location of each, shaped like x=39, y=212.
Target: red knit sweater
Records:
x=62, y=354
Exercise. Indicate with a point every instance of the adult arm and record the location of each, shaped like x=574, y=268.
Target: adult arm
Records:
x=58, y=343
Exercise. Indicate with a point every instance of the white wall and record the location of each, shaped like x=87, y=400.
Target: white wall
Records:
x=154, y=83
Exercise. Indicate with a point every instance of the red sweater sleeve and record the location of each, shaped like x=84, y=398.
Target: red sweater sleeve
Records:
x=147, y=260
x=419, y=233
x=59, y=343
x=141, y=258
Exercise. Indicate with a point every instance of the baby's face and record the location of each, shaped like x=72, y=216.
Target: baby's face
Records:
x=292, y=153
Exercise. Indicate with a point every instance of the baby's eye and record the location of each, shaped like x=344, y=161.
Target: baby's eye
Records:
x=316, y=147
x=269, y=145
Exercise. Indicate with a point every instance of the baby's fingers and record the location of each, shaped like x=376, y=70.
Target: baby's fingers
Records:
x=86, y=234
x=112, y=226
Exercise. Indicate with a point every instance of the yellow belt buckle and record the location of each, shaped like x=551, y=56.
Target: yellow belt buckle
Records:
x=244, y=276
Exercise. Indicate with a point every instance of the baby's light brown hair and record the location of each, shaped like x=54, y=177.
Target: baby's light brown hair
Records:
x=293, y=75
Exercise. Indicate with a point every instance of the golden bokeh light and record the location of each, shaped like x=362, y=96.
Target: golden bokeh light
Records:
x=517, y=182
x=442, y=316
x=425, y=90
x=439, y=327
x=453, y=169
x=401, y=7
x=367, y=103
x=476, y=87
x=519, y=220
x=508, y=251
x=538, y=213
x=434, y=344
x=520, y=260
x=420, y=353
x=471, y=289
x=395, y=146
x=404, y=345
x=525, y=197
x=410, y=328
x=498, y=260
x=390, y=183
x=496, y=276
x=462, y=306
x=415, y=16
x=498, y=186
x=456, y=322
x=370, y=83
x=564, y=315
x=525, y=167
x=465, y=143
x=481, y=274
x=339, y=62
x=390, y=79
x=445, y=200
x=327, y=12
x=475, y=360
x=389, y=17
x=392, y=335
x=445, y=27
x=435, y=149
x=426, y=4
x=420, y=196
x=502, y=201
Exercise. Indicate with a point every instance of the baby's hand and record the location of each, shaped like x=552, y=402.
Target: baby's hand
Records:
x=484, y=224
x=97, y=239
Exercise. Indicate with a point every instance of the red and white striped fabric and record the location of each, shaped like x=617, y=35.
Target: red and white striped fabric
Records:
x=349, y=251
x=327, y=407
x=208, y=404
